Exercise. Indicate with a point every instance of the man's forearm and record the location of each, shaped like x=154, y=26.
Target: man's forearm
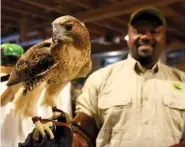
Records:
x=84, y=131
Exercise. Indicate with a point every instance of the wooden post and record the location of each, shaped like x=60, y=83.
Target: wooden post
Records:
x=24, y=29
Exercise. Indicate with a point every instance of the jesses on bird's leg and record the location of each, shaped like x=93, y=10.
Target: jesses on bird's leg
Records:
x=57, y=112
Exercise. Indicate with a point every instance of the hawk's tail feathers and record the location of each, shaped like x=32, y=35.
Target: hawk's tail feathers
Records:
x=9, y=94
x=26, y=104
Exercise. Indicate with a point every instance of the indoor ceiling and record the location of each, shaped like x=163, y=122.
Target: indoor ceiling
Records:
x=106, y=20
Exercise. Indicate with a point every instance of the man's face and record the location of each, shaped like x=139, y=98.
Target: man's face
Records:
x=146, y=41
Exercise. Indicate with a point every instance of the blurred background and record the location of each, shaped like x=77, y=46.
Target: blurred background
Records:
x=27, y=22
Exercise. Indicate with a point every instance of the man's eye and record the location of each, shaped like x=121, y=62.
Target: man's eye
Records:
x=153, y=32
x=140, y=31
x=68, y=27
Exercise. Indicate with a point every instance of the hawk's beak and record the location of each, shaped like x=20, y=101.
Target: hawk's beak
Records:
x=58, y=32
x=60, y=35
x=55, y=37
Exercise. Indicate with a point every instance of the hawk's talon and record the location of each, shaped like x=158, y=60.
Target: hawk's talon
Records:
x=45, y=127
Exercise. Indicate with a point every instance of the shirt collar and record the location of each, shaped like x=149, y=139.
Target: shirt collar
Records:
x=134, y=64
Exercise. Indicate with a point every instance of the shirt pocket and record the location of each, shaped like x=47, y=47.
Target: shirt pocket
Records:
x=115, y=117
x=175, y=113
x=114, y=111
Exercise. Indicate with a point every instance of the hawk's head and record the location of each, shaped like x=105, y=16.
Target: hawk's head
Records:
x=68, y=29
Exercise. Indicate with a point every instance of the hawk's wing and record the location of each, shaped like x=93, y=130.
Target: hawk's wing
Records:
x=36, y=61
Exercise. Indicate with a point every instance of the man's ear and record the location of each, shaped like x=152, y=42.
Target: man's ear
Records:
x=127, y=39
x=127, y=36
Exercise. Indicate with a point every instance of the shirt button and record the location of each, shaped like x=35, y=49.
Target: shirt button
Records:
x=146, y=122
x=146, y=98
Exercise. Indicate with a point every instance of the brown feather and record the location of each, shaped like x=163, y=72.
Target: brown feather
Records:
x=9, y=93
x=33, y=62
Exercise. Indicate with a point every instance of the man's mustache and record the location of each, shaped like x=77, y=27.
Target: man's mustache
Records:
x=151, y=42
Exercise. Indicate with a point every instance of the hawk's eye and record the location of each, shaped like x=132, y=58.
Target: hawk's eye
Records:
x=68, y=27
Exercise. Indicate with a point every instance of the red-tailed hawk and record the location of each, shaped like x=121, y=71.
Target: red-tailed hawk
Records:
x=50, y=64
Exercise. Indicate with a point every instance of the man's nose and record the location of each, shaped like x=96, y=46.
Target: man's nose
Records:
x=147, y=36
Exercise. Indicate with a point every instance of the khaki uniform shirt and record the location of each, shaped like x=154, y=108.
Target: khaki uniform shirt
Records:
x=135, y=109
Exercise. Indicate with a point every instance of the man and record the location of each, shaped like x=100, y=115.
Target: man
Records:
x=138, y=102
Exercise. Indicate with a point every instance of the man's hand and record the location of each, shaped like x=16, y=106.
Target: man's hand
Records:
x=181, y=144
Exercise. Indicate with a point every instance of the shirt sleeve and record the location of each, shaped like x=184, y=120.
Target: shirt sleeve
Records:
x=87, y=102
x=183, y=135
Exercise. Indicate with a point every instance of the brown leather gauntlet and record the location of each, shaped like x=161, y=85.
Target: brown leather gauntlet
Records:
x=84, y=131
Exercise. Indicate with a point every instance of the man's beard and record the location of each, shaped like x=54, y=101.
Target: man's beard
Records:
x=145, y=60
x=148, y=59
